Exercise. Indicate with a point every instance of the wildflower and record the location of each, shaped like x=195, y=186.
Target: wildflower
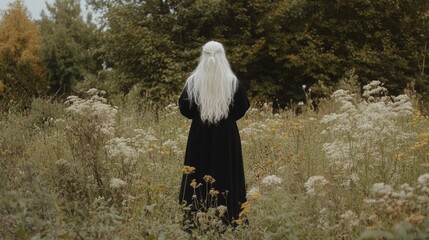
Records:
x=116, y=183
x=374, y=88
x=253, y=193
x=304, y=87
x=171, y=144
x=213, y=192
x=95, y=109
x=323, y=221
x=382, y=189
x=271, y=180
x=119, y=147
x=92, y=91
x=193, y=183
x=315, y=185
x=424, y=179
x=300, y=103
x=424, y=135
x=350, y=219
x=222, y=210
x=246, y=209
x=209, y=179
x=399, y=155
x=187, y=169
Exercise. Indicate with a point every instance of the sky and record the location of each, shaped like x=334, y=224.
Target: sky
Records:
x=35, y=6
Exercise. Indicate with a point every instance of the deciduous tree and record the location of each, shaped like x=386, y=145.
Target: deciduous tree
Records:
x=21, y=69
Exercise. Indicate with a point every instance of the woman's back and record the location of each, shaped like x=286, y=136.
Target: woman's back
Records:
x=214, y=146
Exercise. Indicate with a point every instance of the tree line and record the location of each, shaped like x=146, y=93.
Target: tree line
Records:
x=151, y=46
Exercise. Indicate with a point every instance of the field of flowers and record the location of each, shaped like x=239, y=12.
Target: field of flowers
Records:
x=100, y=168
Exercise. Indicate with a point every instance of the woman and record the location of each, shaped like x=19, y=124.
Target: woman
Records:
x=214, y=100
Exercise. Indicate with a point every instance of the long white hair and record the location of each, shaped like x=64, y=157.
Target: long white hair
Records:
x=212, y=84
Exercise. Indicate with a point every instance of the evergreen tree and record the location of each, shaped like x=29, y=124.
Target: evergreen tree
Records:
x=68, y=45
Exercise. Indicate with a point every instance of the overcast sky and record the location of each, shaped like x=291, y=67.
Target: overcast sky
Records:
x=35, y=6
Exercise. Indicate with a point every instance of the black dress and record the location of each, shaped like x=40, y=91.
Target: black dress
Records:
x=215, y=150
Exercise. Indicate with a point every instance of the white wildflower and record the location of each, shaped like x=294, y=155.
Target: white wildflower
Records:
x=271, y=180
x=315, y=185
x=96, y=110
x=424, y=179
x=92, y=91
x=323, y=221
x=361, y=130
x=170, y=144
x=222, y=208
x=116, y=183
x=119, y=147
x=382, y=189
x=374, y=88
x=350, y=219
x=253, y=193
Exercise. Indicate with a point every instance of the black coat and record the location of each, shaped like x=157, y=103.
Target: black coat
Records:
x=215, y=150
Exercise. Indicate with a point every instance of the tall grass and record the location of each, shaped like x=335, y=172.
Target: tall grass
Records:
x=87, y=169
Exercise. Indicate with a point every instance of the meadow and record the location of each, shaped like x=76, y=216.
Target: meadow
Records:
x=93, y=167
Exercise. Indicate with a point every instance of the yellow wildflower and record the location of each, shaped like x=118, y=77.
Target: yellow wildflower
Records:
x=246, y=209
x=187, y=169
x=213, y=192
x=424, y=135
x=399, y=155
x=209, y=179
x=193, y=183
x=256, y=195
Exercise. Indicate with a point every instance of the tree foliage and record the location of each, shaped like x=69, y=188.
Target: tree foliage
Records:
x=69, y=43
x=22, y=74
x=274, y=46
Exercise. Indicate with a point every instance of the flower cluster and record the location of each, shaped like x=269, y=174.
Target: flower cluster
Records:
x=116, y=183
x=253, y=193
x=374, y=90
x=406, y=202
x=96, y=109
x=349, y=219
x=316, y=186
x=364, y=131
x=271, y=180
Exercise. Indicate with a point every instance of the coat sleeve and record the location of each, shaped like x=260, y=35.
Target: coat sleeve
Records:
x=186, y=108
x=241, y=103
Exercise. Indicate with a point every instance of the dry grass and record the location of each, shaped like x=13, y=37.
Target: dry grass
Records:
x=103, y=172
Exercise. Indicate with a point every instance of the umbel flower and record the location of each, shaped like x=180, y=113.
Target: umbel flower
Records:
x=365, y=130
x=116, y=183
x=253, y=193
x=315, y=185
x=187, y=169
x=209, y=179
x=222, y=210
x=271, y=180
